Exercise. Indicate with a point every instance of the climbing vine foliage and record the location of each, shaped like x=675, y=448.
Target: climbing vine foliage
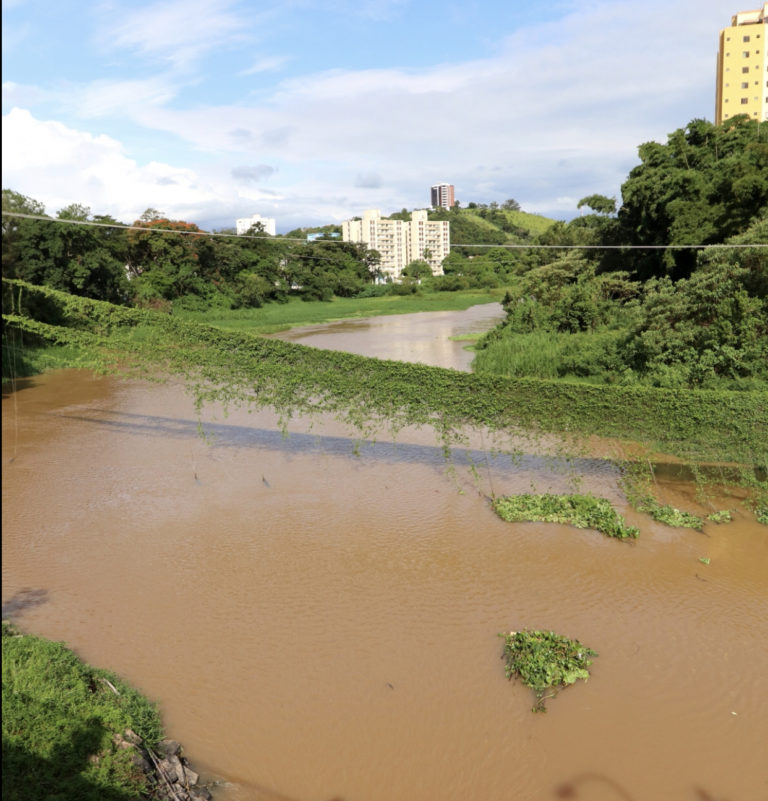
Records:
x=243, y=369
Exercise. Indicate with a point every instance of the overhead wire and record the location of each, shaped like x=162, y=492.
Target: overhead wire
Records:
x=280, y=238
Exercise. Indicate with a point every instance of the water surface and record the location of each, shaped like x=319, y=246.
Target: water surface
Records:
x=319, y=620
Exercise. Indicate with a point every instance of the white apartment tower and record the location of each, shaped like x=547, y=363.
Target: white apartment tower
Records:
x=401, y=241
x=244, y=223
x=442, y=195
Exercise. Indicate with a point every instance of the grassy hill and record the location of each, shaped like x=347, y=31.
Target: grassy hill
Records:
x=534, y=224
x=492, y=226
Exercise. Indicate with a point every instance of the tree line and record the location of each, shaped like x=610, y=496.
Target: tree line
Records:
x=157, y=262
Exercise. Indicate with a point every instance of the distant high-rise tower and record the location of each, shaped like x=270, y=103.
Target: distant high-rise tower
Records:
x=442, y=195
x=742, y=67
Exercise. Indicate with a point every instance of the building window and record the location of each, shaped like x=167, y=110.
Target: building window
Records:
x=745, y=39
x=745, y=53
x=745, y=69
x=744, y=101
x=745, y=84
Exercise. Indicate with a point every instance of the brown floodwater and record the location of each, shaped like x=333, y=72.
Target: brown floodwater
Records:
x=318, y=617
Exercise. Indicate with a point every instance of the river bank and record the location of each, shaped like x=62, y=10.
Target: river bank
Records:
x=72, y=731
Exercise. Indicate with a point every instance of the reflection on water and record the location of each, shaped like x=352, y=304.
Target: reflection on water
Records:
x=422, y=337
x=23, y=599
x=318, y=617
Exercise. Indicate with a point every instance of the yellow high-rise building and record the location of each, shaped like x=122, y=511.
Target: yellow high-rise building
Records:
x=742, y=67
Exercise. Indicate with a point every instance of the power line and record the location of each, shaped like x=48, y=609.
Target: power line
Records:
x=277, y=239
x=122, y=227
x=609, y=247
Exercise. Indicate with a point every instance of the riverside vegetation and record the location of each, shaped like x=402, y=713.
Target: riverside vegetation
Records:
x=71, y=731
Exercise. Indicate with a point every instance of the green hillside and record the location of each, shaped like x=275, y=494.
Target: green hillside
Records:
x=491, y=226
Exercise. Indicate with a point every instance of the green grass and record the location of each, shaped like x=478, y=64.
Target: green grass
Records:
x=282, y=316
x=533, y=223
x=59, y=720
x=551, y=355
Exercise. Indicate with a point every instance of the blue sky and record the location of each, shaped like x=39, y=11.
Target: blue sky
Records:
x=311, y=112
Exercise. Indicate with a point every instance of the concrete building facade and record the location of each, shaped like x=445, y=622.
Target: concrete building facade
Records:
x=401, y=241
x=442, y=196
x=742, y=67
x=244, y=223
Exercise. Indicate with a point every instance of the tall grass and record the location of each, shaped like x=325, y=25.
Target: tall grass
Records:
x=547, y=354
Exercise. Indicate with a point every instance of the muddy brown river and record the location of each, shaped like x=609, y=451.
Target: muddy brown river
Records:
x=318, y=617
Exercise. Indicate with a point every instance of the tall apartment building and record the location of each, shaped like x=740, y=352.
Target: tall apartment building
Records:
x=742, y=67
x=442, y=195
x=244, y=223
x=401, y=241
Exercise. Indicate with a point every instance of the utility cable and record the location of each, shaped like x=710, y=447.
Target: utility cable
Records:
x=278, y=239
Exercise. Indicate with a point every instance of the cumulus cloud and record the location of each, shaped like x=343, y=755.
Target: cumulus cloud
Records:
x=59, y=165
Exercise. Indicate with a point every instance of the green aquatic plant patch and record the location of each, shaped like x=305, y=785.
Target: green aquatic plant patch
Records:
x=61, y=720
x=545, y=662
x=669, y=515
x=582, y=511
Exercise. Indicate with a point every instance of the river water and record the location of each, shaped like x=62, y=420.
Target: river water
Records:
x=318, y=617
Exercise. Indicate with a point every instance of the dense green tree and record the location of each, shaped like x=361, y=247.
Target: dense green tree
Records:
x=710, y=326
x=598, y=203
x=705, y=184
x=74, y=258
x=418, y=270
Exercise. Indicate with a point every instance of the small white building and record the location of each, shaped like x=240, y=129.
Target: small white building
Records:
x=244, y=223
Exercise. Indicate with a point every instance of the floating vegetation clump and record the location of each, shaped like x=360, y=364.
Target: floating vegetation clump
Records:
x=761, y=513
x=582, y=511
x=545, y=662
x=669, y=515
x=723, y=516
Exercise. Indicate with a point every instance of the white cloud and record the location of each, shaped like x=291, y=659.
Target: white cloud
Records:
x=557, y=112
x=58, y=165
x=105, y=98
x=177, y=31
x=267, y=64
